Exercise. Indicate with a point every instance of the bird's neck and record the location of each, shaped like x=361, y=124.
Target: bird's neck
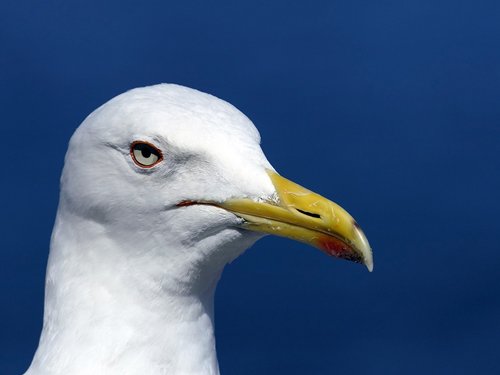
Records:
x=111, y=313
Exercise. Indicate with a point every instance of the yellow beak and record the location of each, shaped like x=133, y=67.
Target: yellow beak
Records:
x=305, y=216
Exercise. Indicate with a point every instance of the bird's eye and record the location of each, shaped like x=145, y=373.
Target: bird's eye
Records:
x=145, y=155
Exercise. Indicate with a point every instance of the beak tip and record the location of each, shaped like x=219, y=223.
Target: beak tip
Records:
x=369, y=265
x=364, y=247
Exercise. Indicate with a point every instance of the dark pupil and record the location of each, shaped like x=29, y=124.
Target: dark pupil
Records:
x=146, y=152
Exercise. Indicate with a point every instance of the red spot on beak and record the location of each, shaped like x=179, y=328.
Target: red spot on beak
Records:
x=338, y=248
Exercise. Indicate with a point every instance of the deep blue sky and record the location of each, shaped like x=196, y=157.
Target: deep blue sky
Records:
x=390, y=108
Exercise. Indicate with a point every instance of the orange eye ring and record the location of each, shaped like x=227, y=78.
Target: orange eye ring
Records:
x=144, y=154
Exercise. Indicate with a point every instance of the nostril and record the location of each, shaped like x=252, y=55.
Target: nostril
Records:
x=311, y=214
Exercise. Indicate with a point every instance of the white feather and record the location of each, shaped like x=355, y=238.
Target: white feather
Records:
x=130, y=279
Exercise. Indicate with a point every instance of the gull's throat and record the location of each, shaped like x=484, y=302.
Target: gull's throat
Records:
x=144, y=313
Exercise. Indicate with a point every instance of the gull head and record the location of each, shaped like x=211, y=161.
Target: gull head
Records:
x=173, y=173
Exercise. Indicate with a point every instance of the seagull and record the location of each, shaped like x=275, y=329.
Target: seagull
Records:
x=163, y=186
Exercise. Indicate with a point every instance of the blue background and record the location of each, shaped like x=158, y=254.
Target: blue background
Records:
x=390, y=108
